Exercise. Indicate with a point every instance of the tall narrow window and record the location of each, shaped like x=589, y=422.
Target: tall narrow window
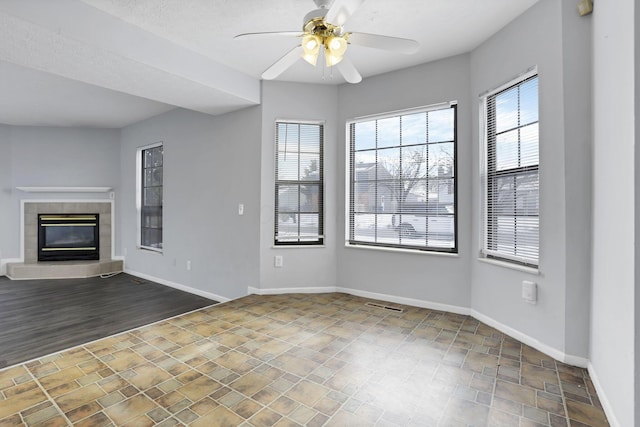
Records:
x=402, y=180
x=150, y=198
x=511, y=199
x=299, y=213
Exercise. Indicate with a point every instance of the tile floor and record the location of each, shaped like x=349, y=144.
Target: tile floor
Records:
x=301, y=360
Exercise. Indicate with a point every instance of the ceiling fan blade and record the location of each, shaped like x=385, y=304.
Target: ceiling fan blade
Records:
x=341, y=10
x=348, y=71
x=394, y=44
x=269, y=34
x=283, y=63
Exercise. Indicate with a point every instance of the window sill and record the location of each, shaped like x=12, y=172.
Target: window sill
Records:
x=511, y=266
x=402, y=250
x=297, y=246
x=151, y=250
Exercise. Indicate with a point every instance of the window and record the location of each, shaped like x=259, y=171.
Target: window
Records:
x=299, y=184
x=150, y=199
x=402, y=180
x=511, y=197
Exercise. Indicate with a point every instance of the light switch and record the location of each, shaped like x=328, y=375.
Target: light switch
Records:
x=241, y=209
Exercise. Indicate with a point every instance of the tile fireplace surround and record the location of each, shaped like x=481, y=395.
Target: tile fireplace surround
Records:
x=32, y=269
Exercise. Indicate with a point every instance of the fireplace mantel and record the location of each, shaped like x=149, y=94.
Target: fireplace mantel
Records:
x=65, y=189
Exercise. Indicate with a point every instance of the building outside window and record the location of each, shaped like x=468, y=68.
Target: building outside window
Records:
x=402, y=180
x=511, y=179
x=299, y=190
x=150, y=196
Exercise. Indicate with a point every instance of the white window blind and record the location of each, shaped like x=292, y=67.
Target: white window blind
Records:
x=512, y=183
x=299, y=204
x=402, y=180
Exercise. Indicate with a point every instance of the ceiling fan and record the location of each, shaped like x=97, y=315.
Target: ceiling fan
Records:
x=323, y=33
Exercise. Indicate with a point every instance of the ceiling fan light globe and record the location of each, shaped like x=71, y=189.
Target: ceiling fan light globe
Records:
x=331, y=59
x=336, y=45
x=310, y=44
x=310, y=58
x=310, y=48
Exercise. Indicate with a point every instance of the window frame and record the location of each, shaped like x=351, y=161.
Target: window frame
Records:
x=140, y=194
x=486, y=176
x=300, y=241
x=350, y=242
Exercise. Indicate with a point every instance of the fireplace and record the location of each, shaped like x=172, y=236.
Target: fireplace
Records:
x=67, y=237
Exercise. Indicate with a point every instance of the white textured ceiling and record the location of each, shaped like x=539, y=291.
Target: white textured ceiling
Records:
x=110, y=63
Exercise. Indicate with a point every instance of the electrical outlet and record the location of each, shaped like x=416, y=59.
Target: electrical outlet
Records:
x=529, y=292
x=278, y=261
x=188, y=265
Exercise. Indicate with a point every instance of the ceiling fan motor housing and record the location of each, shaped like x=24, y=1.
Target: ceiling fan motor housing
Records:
x=314, y=23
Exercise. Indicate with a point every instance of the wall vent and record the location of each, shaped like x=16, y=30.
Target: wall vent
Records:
x=384, y=307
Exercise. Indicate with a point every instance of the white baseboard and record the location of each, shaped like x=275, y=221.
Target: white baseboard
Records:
x=178, y=286
x=5, y=261
x=406, y=301
x=581, y=362
x=278, y=291
x=606, y=405
x=365, y=294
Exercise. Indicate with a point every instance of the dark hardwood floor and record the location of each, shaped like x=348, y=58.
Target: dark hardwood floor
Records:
x=38, y=317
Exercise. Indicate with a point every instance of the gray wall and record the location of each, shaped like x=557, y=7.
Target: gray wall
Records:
x=6, y=187
x=538, y=38
x=211, y=164
x=441, y=279
x=309, y=266
x=577, y=113
x=53, y=157
x=45, y=156
x=615, y=194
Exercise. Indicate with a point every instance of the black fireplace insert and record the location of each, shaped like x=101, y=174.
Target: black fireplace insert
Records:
x=68, y=237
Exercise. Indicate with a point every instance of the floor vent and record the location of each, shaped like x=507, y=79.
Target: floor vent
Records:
x=384, y=307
